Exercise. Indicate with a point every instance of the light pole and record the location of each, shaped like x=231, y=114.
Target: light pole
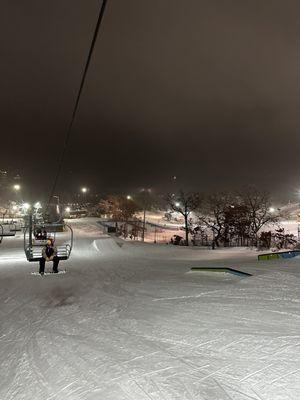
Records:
x=84, y=192
x=16, y=189
x=144, y=191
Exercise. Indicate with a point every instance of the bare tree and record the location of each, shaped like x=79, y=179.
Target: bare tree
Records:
x=236, y=216
x=119, y=208
x=184, y=203
x=259, y=212
x=216, y=216
x=265, y=239
x=284, y=240
x=145, y=201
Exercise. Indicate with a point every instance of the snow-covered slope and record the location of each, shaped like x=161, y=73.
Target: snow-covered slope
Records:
x=129, y=321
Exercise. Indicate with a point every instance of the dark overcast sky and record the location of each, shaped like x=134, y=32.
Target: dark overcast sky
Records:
x=207, y=90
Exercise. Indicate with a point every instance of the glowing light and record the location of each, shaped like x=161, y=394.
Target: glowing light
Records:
x=84, y=190
x=17, y=187
x=128, y=197
x=68, y=209
x=26, y=206
x=149, y=190
x=177, y=204
x=37, y=205
x=271, y=209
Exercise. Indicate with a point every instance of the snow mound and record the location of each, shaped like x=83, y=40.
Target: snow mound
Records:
x=107, y=246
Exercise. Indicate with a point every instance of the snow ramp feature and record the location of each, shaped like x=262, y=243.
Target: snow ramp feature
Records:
x=107, y=246
x=278, y=255
x=220, y=269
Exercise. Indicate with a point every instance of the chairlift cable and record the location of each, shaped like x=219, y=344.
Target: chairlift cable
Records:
x=68, y=135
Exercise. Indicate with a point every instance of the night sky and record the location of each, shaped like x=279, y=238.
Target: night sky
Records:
x=208, y=91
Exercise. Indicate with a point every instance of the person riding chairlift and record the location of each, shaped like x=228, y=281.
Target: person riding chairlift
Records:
x=41, y=235
x=38, y=234
x=49, y=253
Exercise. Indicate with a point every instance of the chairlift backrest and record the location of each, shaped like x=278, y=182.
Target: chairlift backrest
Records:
x=6, y=232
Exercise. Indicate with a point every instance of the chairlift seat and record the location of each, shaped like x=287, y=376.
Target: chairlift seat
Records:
x=6, y=234
x=34, y=253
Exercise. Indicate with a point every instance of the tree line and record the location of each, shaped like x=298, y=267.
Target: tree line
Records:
x=225, y=217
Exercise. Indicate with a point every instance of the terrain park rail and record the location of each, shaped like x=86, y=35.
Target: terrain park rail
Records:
x=278, y=255
x=217, y=269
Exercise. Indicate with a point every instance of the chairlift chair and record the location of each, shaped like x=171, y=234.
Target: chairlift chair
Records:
x=14, y=227
x=4, y=233
x=33, y=247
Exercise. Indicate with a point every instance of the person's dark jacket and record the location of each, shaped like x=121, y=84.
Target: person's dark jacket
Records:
x=49, y=251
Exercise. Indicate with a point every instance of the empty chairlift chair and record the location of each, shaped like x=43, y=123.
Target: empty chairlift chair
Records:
x=6, y=230
x=15, y=227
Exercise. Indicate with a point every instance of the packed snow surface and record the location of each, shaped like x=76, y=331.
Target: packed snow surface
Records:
x=129, y=321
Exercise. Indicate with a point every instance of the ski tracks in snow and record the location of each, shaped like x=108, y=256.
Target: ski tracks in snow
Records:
x=125, y=325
